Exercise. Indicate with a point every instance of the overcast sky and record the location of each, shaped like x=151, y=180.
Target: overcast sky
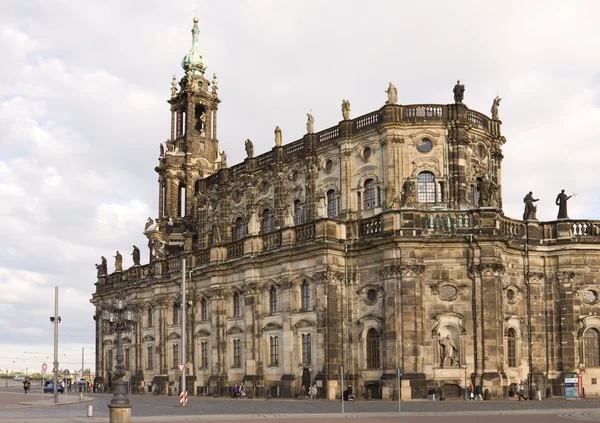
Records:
x=83, y=90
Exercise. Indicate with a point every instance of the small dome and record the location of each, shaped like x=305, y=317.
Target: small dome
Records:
x=194, y=62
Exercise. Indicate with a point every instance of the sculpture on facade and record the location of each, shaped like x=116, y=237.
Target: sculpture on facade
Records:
x=278, y=137
x=136, y=256
x=159, y=251
x=486, y=191
x=162, y=150
x=408, y=194
x=149, y=223
x=561, y=202
x=223, y=159
x=449, y=351
x=459, y=92
x=346, y=109
x=102, y=267
x=310, y=124
x=118, y=262
x=170, y=145
x=392, y=93
x=530, y=208
x=249, y=149
x=495, y=106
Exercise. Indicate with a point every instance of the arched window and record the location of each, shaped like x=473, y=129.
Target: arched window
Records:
x=305, y=295
x=591, y=348
x=332, y=210
x=369, y=195
x=511, y=347
x=306, y=348
x=236, y=305
x=298, y=213
x=373, y=349
x=274, y=351
x=239, y=231
x=266, y=222
x=237, y=353
x=426, y=187
x=273, y=300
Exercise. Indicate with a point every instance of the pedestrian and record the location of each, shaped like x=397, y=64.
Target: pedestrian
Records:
x=235, y=391
x=521, y=391
x=471, y=391
x=242, y=391
x=431, y=392
x=314, y=391
x=478, y=393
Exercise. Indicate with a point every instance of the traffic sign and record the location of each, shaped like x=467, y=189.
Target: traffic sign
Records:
x=43, y=373
x=44, y=367
x=181, y=367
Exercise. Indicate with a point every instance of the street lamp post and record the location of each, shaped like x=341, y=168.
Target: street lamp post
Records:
x=118, y=319
x=464, y=366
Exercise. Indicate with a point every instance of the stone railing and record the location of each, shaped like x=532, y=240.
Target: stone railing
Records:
x=174, y=265
x=305, y=233
x=422, y=112
x=202, y=256
x=370, y=227
x=511, y=227
x=272, y=241
x=446, y=221
x=294, y=148
x=236, y=249
x=478, y=119
x=264, y=160
x=585, y=228
x=329, y=134
x=365, y=121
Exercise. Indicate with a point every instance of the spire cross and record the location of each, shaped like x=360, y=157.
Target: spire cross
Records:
x=196, y=13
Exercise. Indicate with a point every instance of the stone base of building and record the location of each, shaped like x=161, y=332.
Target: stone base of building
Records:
x=120, y=413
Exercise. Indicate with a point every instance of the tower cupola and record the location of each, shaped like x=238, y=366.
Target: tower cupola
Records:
x=194, y=62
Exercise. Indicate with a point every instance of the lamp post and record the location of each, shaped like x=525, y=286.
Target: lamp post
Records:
x=117, y=319
x=464, y=366
x=55, y=320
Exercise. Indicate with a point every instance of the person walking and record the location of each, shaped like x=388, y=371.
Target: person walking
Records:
x=471, y=391
x=431, y=392
x=478, y=393
x=236, y=390
x=521, y=391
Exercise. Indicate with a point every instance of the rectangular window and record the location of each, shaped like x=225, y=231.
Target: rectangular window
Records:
x=306, y=349
x=175, y=314
x=440, y=192
x=305, y=294
x=150, y=354
x=236, y=305
x=149, y=317
x=273, y=298
x=175, y=355
x=204, y=354
x=109, y=361
x=511, y=344
x=126, y=352
x=203, y=311
x=332, y=209
x=274, y=351
x=369, y=195
x=237, y=354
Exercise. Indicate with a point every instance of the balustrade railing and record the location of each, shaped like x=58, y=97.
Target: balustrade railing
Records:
x=236, y=249
x=478, y=119
x=264, y=160
x=305, y=233
x=329, y=134
x=294, y=148
x=511, y=227
x=238, y=169
x=422, y=112
x=370, y=227
x=446, y=222
x=272, y=241
x=586, y=228
x=174, y=265
x=203, y=256
x=366, y=120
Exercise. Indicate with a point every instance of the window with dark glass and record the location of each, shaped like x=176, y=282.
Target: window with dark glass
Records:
x=175, y=357
x=274, y=350
x=332, y=210
x=591, y=348
x=273, y=299
x=426, y=187
x=175, y=314
x=204, y=354
x=149, y=317
x=109, y=360
x=369, y=195
x=236, y=305
x=305, y=295
x=240, y=229
x=298, y=213
x=373, y=349
x=126, y=357
x=203, y=310
x=511, y=347
x=150, y=356
x=237, y=353
x=267, y=222
x=306, y=349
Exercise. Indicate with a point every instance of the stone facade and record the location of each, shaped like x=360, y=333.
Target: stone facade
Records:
x=376, y=244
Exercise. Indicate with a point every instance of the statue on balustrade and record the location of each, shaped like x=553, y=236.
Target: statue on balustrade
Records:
x=561, y=202
x=136, y=256
x=102, y=267
x=249, y=149
x=278, y=137
x=170, y=145
x=392, y=93
x=310, y=124
x=459, y=92
x=118, y=262
x=486, y=191
x=530, y=208
x=162, y=150
x=449, y=352
x=346, y=109
x=149, y=223
x=495, y=107
x=223, y=159
x=408, y=193
x=159, y=251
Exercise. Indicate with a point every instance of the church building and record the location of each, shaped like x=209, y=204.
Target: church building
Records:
x=376, y=244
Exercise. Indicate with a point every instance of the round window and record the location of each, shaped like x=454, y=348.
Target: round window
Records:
x=481, y=151
x=264, y=187
x=295, y=176
x=590, y=296
x=328, y=165
x=371, y=295
x=425, y=145
x=510, y=295
x=367, y=153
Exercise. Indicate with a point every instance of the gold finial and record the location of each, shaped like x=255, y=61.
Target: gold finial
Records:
x=195, y=20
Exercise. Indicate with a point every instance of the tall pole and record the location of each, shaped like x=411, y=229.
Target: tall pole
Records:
x=347, y=313
x=183, y=332
x=82, y=368
x=55, y=345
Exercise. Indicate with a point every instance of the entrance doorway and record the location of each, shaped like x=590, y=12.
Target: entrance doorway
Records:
x=305, y=381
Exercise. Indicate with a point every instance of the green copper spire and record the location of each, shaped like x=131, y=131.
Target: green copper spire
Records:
x=194, y=62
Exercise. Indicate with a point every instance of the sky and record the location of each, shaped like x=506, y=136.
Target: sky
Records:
x=83, y=91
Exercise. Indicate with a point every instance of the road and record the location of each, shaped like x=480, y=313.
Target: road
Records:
x=149, y=408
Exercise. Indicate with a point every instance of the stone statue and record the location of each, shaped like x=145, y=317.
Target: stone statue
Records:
x=223, y=159
x=149, y=223
x=170, y=145
x=346, y=109
x=159, y=249
x=104, y=265
x=136, y=256
x=495, y=106
x=216, y=234
x=310, y=124
x=561, y=202
x=530, y=208
x=392, y=93
x=118, y=262
x=449, y=351
x=278, y=137
x=485, y=191
x=162, y=150
x=459, y=92
x=249, y=149
x=101, y=268
x=408, y=193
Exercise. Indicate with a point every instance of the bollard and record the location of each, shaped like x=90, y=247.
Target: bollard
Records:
x=90, y=411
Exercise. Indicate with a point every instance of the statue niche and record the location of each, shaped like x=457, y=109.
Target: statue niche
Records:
x=200, y=116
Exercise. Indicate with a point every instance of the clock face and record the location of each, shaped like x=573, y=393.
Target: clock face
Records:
x=425, y=145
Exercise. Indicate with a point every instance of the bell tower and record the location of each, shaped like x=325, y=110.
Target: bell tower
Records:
x=192, y=150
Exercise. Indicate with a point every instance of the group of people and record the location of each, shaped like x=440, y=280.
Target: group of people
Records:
x=239, y=391
x=475, y=392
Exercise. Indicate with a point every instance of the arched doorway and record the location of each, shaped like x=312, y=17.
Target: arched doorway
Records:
x=305, y=381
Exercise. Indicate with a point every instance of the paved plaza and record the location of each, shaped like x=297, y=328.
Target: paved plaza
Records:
x=15, y=406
